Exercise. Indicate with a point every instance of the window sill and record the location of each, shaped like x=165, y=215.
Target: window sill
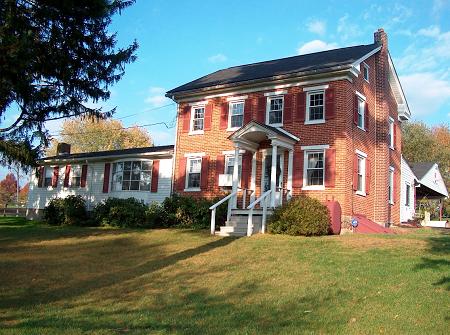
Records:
x=197, y=132
x=367, y=81
x=360, y=193
x=276, y=125
x=392, y=148
x=361, y=128
x=233, y=129
x=192, y=190
x=391, y=203
x=314, y=188
x=315, y=122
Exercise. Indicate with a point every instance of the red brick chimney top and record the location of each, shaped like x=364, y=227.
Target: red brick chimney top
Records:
x=381, y=37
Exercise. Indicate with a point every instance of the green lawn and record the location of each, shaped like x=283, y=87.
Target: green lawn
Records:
x=109, y=281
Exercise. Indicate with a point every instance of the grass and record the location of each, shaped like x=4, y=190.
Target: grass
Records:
x=108, y=281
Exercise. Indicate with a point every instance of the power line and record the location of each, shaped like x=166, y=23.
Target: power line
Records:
x=145, y=111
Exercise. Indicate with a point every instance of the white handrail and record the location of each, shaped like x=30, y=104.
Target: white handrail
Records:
x=250, y=214
x=214, y=207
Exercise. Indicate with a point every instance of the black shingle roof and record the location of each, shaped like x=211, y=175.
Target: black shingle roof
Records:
x=318, y=61
x=421, y=169
x=121, y=152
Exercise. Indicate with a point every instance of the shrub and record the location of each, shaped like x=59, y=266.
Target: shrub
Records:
x=70, y=211
x=117, y=212
x=155, y=216
x=300, y=216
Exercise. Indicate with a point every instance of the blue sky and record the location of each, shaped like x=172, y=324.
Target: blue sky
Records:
x=183, y=40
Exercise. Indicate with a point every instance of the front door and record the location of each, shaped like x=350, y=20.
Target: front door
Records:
x=267, y=175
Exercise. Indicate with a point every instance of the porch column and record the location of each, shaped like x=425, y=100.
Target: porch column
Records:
x=289, y=172
x=235, y=175
x=273, y=175
x=253, y=179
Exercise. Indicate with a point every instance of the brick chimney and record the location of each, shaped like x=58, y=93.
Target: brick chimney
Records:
x=63, y=149
x=381, y=37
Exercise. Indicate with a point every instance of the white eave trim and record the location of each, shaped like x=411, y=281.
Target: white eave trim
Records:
x=356, y=64
x=401, y=106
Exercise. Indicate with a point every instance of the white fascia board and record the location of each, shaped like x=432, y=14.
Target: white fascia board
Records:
x=407, y=112
x=356, y=63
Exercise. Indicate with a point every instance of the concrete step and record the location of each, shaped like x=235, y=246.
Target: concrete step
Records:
x=256, y=211
x=243, y=220
x=237, y=234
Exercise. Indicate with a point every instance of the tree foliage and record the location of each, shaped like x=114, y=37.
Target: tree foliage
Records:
x=55, y=58
x=89, y=134
x=8, y=189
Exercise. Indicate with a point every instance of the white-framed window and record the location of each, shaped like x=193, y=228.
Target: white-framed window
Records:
x=391, y=133
x=131, y=176
x=235, y=114
x=193, y=173
x=361, y=112
x=75, y=176
x=229, y=165
x=408, y=194
x=48, y=176
x=275, y=110
x=366, y=72
x=361, y=175
x=314, y=172
x=197, y=119
x=391, y=185
x=315, y=107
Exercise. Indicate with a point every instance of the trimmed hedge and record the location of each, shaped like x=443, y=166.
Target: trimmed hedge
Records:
x=300, y=216
x=66, y=211
x=117, y=212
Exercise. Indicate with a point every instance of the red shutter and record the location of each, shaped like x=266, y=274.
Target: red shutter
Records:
x=83, y=175
x=220, y=166
x=246, y=169
x=55, y=176
x=368, y=175
x=204, y=173
x=261, y=113
x=186, y=119
x=106, y=177
x=355, y=110
x=297, y=174
x=208, y=116
x=330, y=109
x=181, y=179
x=224, y=115
x=155, y=176
x=366, y=116
x=248, y=111
x=301, y=107
x=287, y=109
x=41, y=172
x=67, y=176
x=355, y=172
x=330, y=167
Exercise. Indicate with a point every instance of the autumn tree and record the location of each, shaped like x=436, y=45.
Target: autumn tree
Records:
x=56, y=57
x=8, y=189
x=23, y=193
x=88, y=134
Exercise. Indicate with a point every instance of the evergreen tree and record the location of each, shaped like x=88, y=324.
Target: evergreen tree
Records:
x=55, y=57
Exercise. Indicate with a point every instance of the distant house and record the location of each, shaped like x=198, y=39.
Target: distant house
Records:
x=142, y=173
x=419, y=181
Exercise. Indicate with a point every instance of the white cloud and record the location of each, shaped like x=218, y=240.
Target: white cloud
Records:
x=317, y=27
x=438, y=6
x=431, y=31
x=347, y=29
x=156, y=97
x=219, y=58
x=315, y=46
x=426, y=92
x=163, y=137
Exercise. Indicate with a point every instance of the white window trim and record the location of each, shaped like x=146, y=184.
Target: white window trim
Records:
x=309, y=92
x=408, y=199
x=362, y=156
x=231, y=152
x=71, y=174
x=391, y=133
x=192, y=189
x=271, y=94
x=49, y=168
x=391, y=193
x=198, y=103
x=268, y=99
x=228, y=156
x=193, y=107
x=316, y=88
x=195, y=154
x=362, y=100
x=129, y=160
x=365, y=66
x=314, y=148
x=362, y=96
x=229, y=114
x=232, y=99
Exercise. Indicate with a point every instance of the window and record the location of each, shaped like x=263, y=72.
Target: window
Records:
x=75, y=179
x=131, y=176
x=229, y=165
x=361, y=112
x=48, y=176
x=194, y=167
x=315, y=106
x=275, y=110
x=391, y=133
x=361, y=175
x=198, y=118
x=236, y=112
x=408, y=195
x=366, y=72
x=391, y=185
x=315, y=168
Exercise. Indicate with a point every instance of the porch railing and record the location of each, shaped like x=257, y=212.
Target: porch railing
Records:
x=263, y=198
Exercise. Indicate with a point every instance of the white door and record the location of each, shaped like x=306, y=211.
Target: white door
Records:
x=267, y=173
